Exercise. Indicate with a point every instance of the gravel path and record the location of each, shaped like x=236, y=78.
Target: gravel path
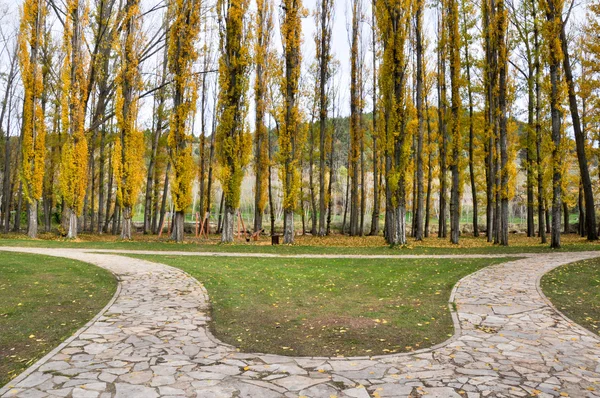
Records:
x=152, y=340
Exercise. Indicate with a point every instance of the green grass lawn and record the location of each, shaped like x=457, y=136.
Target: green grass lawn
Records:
x=328, y=307
x=43, y=301
x=335, y=244
x=575, y=290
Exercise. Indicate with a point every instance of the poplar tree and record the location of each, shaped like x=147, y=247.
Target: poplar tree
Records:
x=129, y=148
x=502, y=105
x=233, y=142
x=420, y=119
x=33, y=145
x=554, y=55
x=74, y=160
x=181, y=40
x=580, y=139
x=290, y=134
x=264, y=33
x=356, y=130
x=324, y=21
x=454, y=58
x=392, y=19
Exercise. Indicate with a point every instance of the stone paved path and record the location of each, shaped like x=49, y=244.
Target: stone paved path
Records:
x=153, y=341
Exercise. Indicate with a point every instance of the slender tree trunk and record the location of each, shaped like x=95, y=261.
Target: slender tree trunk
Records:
x=442, y=135
x=566, y=227
x=220, y=218
x=502, y=102
x=420, y=119
x=346, y=203
x=109, y=190
x=556, y=154
x=429, y=172
x=471, y=137
x=332, y=174
x=17, y=224
x=270, y=188
x=538, y=129
x=6, y=183
x=581, y=227
x=580, y=141
x=313, y=197
x=101, y=181
x=163, y=205
x=456, y=104
x=355, y=125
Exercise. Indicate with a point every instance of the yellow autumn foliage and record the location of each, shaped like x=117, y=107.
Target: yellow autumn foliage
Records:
x=33, y=148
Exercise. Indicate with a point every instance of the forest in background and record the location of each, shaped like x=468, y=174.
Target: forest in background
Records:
x=179, y=107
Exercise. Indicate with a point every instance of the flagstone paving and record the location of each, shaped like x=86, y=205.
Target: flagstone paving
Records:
x=153, y=341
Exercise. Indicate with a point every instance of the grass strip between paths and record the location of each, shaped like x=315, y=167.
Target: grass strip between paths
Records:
x=328, y=307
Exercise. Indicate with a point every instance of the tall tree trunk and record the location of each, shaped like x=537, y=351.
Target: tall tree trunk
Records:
x=346, y=203
x=538, y=128
x=429, y=172
x=580, y=140
x=102, y=160
x=418, y=234
x=6, y=183
x=311, y=184
x=556, y=140
x=581, y=227
x=109, y=190
x=454, y=57
x=332, y=175
x=270, y=187
x=355, y=125
x=442, y=127
x=6, y=106
x=502, y=102
x=471, y=134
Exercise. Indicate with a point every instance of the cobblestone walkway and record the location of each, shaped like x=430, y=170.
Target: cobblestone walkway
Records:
x=152, y=341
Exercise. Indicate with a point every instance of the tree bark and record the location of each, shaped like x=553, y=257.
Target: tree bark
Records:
x=556, y=140
x=442, y=137
x=72, y=223
x=288, y=231
x=178, y=226
x=32, y=225
x=538, y=127
x=163, y=205
x=127, y=224
x=420, y=128
x=227, y=233
x=580, y=140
